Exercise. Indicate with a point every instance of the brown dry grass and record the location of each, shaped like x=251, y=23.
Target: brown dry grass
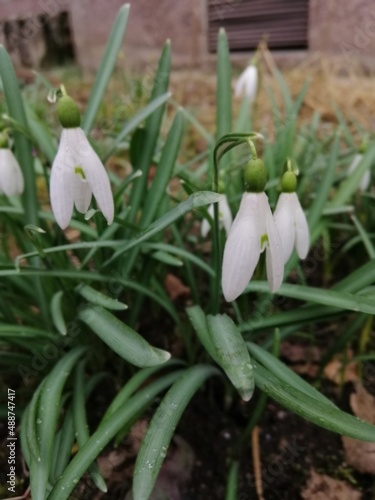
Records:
x=333, y=83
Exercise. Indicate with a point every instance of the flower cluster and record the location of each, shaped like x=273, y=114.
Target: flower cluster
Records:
x=255, y=229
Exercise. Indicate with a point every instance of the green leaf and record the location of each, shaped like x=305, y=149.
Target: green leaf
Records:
x=162, y=426
x=106, y=67
x=164, y=170
x=316, y=209
x=318, y=412
x=231, y=353
x=224, y=87
x=285, y=374
x=57, y=313
x=80, y=424
x=132, y=385
x=100, y=299
x=166, y=258
x=121, y=338
x=136, y=120
x=152, y=130
x=195, y=200
x=232, y=482
x=103, y=435
x=198, y=320
x=339, y=299
x=48, y=413
x=22, y=144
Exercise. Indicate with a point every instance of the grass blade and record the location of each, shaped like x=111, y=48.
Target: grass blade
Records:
x=106, y=67
x=121, y=338
x=159, y=434
x=322, y=414
x=22, y=144
x=48, y=413
x=339, y=299
x=103, y=435
x=224, y=87
x=231, y=353
x=152, y=130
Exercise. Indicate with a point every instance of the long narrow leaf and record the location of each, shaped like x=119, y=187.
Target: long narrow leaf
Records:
x=121, y=338
x=159, y=434
x=318, y=412
x=103, y=435
x=106, y=67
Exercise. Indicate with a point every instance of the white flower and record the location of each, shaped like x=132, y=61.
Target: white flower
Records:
x=252, y=231
x=225, y=217
x=365, y=181
x=247, y=83
x=292, y=226
x=76, y=174
x=11, y=178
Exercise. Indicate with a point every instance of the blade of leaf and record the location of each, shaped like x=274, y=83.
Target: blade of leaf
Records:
x=152, y=129
x=317, y=412
x=231, y=353
x=159, y=434
x=285, y=374
x=121, y=338
x=48, y=412
x=103, y=435
x=100, y=299
x=106, y=67
x=195, y=200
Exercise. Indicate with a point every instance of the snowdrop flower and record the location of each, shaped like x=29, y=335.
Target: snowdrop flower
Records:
x=11, y=178
x=365, y=181
x=77, y=172
x=291, y=220
x=225, y=217
x=247, y=83
x=253, y=231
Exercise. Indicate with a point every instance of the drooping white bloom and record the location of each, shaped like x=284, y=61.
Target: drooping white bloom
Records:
x=365, y=181
x=253, y=230
x=77, y=174
x=292, y=226
x=247, y=83
x=11, y=178
x=225, y=217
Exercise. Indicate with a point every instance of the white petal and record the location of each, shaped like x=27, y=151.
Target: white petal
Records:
x=205, y=226
x=274, y=251
x=247, y=83
x=302, y=230
x=365, y=181
x=242, y=249
x=11, y=178
x=97, y=178
x=62, y=184
x=82, y=194
x=225, y=214
x=285, y=223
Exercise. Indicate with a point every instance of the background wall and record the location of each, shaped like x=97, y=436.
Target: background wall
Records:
x=336, y=28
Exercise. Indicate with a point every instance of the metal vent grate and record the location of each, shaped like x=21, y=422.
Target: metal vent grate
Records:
x=284, y=22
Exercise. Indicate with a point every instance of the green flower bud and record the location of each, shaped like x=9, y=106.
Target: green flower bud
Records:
x=68, y=112
x=288, y=182
x=255, y=176
x=4, y=142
